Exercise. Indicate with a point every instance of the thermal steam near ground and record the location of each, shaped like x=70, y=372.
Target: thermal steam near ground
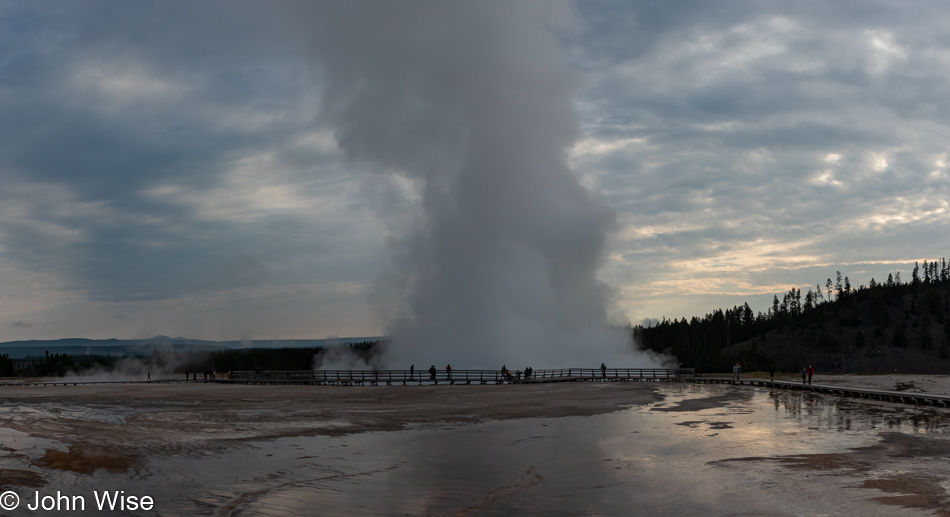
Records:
x=500, y=263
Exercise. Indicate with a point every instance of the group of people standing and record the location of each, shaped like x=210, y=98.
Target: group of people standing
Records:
x=448, y=372
x=432, y=370
x=507, y=375
x=505, y=372
x=807, y=372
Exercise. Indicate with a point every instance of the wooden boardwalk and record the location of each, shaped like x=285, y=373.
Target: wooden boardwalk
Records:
x=901, y=397
x=391, y=377
x=43, y=382
x=441, y=377
x=407, y=377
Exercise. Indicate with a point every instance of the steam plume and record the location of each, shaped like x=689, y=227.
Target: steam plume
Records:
x=472, y=101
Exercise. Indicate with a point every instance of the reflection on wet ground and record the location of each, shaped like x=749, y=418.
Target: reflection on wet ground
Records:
x=719, y=450
x=841, y=414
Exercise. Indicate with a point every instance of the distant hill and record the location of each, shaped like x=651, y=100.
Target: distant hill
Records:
x=879, y=328
x=143, y=347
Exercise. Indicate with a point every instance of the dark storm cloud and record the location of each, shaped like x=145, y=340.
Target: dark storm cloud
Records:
x=106, y=104
x=120, y=95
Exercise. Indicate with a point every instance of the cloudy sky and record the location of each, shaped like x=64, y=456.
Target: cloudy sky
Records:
x=169, y=167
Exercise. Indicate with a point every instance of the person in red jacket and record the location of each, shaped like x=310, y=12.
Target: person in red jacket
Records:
x=811, y=371
x=448, y=371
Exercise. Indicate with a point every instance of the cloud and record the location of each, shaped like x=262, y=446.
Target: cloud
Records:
x=178, y=153
x=712, y=132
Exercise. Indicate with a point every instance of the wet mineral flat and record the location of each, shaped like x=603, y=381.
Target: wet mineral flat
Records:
x=565, y=449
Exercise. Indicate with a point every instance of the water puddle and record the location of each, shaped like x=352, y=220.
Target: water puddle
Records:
x=712, y=449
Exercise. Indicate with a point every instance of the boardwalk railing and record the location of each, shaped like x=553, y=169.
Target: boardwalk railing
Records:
x=80, y=381
x=902, y=397
x=458, y=376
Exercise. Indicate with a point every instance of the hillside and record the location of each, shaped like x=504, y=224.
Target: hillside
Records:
x=146, y=347
x=879, y=328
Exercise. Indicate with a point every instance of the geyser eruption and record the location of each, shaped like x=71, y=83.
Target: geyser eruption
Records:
x=472, y=101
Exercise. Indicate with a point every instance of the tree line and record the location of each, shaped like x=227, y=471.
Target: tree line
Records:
x=836, y=317
x=62, y=364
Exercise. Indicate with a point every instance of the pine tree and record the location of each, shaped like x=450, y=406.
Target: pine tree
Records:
x=926, y=342
x=900, y=337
